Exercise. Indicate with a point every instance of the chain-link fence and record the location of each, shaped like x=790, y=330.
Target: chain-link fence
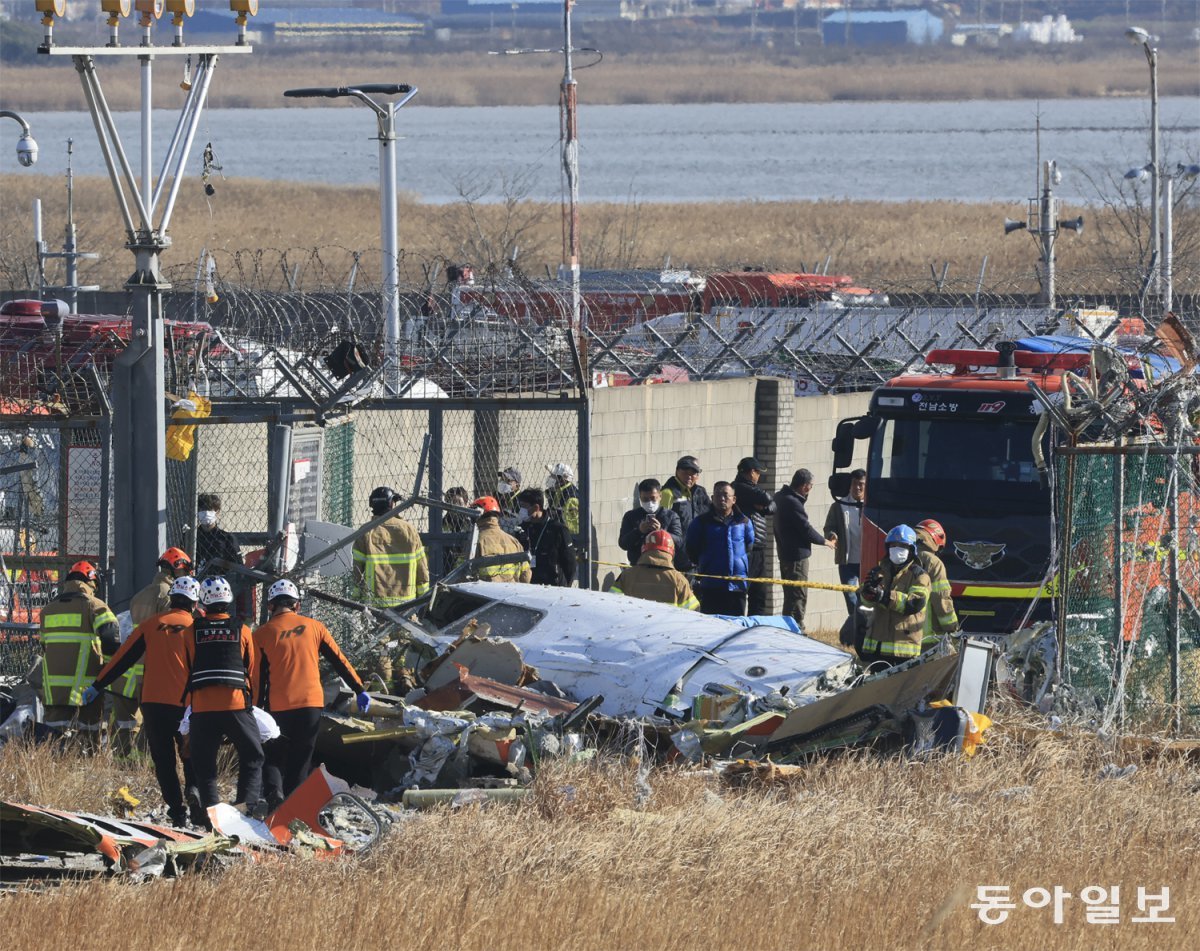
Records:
x=1129, y=519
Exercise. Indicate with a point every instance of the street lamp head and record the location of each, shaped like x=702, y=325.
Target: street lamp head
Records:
x=1187, y=171
x=27, y=150
x=1135, y=34
x=1139, y=174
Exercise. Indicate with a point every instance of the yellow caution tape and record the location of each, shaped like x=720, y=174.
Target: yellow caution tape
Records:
x=820, y=585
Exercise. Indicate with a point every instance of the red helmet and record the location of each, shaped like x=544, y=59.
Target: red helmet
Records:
x=934, y=529
x=175, y=558
x=85, y=568
x=659, y=541
x=488, y=504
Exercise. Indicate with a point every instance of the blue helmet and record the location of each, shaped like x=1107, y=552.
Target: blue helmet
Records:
x=901, y=535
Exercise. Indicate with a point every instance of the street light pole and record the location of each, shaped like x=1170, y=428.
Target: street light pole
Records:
x=1138, y=35
x=389, y=228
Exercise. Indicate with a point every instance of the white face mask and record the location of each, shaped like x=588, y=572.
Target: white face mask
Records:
x=503, y=488
x=523, y=514
x=898, y=555
x=650, y=507
x=206, y=518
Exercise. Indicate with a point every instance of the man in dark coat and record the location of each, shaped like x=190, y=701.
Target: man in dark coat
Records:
x=756, y=504
x=686, y=497
x=649, y=516
x=794, y=539
x=551, y=558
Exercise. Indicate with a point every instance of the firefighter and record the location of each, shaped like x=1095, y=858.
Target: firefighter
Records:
x=390, y=567
x=493, y=540
x=150, y=601
x=289, y=647
x=654, y=577
x=562, y=497
x=898, y=587
x=76, y=629
x=159, y=641
x=222, y=667
x=940, y=616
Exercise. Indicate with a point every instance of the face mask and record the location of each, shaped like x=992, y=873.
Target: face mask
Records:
x=898, y=555
x=650, y=507
x=206, y=518
x=503, y=488
x=523, y=514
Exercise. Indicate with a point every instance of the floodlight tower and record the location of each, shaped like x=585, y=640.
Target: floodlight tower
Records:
x=138, y=411
x=1043, y=223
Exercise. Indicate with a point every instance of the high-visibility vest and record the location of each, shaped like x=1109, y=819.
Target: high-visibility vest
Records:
x=896, y=631
x=71, y=658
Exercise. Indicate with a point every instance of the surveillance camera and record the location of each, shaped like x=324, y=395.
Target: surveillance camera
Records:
x=27, y=150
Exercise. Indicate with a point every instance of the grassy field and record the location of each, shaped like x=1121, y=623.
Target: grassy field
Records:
x=886, y=243
x=861, y=852
x=475, y=79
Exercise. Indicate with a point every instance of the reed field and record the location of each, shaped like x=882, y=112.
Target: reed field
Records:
x=884, y=242
x=670, y=76
x=861, y=851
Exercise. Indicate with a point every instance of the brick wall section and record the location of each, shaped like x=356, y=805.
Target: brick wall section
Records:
x=774, y=443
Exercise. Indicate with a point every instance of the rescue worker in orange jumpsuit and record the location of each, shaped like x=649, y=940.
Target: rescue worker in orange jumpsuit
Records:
x=152, y=600
x=222, y=665
x=289, y=647
x=76, y=629
x=159, y=639
x=654, y=577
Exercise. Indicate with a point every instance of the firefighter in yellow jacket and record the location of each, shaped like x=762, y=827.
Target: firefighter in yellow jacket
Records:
x=898, y=588
x=493, y=540
x=75, y=628
x=389, y=561
x=654, y=577
x=940, y=616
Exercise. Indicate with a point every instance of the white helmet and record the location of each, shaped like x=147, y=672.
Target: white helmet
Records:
x=187, y=587
x=216, y=591
x=562, y=470
x=283, y=589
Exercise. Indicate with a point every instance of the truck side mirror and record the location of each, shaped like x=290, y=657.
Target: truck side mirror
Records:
x=843, y=444
x=865, y=426
x=839, y=484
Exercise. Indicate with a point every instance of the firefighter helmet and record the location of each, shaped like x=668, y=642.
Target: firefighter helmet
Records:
x=186, y=587
x=488, y=504
x=383, y=498
x=933, y=528
x=901, y=535
x=85, y=568
x=175, y=558
x=215, y=591
x=283, y=589
x=659, y=541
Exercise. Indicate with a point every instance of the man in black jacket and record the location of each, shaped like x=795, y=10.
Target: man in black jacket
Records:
x=794, y=538
x=649, y=516
x=551, y=559
x=756, y=505
x=685, y=496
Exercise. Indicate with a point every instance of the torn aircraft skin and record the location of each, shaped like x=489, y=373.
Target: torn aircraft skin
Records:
x=641, y=657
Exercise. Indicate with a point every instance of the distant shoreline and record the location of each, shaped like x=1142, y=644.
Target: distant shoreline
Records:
x=258, y=81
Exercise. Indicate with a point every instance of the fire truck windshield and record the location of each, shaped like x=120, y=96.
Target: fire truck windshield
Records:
x=954, y=454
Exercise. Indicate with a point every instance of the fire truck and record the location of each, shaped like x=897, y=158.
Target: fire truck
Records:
x=959, y=446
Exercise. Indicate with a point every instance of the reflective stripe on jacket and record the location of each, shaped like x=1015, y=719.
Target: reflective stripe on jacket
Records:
x=898, y=624
x=495, y=541
x=71, y=626
x=654, y=579
x=940, y=616
x=389, y=564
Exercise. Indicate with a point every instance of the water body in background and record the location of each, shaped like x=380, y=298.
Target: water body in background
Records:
x=895, y=151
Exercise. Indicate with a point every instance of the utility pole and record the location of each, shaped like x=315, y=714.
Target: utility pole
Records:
x=139, y=417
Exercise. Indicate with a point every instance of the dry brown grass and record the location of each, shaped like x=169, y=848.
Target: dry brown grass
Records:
x=862, y=852
x=739, y=76
x=875, y=241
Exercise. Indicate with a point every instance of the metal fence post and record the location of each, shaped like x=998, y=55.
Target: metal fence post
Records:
x=436, y=489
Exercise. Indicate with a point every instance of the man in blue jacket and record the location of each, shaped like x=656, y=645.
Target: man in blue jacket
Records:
x=719, y=543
